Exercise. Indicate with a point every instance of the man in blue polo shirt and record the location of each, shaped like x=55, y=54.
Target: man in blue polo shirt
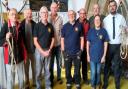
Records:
x=72, y=42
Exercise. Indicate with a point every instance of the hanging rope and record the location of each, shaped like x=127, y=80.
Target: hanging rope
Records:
x=124, y=43
x=6, y=6
x=10, y=42
x=25, y=2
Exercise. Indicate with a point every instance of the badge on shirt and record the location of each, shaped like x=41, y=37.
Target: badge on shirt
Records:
x=49, y=29
x=76, y=29
x=100, y=37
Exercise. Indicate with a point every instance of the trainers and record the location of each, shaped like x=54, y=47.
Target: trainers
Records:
x=69, y=86
x=78, y=86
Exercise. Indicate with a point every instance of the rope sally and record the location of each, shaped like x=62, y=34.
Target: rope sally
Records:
x=124, y=43
x=10, y=42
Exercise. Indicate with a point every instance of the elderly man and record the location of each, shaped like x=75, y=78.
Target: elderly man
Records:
x=57, y=23
x=85, y=23
x=96, y=11
x=43, y=41
x=2, y=65
x=27, y=28
x=72, y=42
x=14, y=50
x=112, y=24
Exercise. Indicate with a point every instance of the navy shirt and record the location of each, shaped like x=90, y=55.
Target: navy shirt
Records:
x=44, y=34
x=71, y=34
x=97, y=39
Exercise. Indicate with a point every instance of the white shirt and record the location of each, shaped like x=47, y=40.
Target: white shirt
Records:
x=108, y=25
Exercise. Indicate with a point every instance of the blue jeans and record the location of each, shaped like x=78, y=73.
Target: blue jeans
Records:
x=56, y=53
x=11, y=75
x=42, y=63
x=2, y=69
x=95, y=73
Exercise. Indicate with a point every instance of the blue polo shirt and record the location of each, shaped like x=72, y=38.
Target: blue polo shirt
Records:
x=71, y=34
x=97, y=39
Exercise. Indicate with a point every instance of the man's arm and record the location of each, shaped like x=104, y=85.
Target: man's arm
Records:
x=52, y=44
x=105, y=52
x=37, y=45
x=81, y=43
x=62, y=43
x=88, y=47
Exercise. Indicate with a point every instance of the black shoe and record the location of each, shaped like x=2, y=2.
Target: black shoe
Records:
x=52, y=84
x=86, y=82
x=33, y=85
x=27, y=87
x=60, y=81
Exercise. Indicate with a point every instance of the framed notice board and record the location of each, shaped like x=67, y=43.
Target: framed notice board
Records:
x=37, y=4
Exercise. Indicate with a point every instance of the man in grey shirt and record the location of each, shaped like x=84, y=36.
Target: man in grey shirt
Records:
x=57, y=23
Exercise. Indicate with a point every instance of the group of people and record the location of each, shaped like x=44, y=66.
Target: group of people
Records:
x=96, y=41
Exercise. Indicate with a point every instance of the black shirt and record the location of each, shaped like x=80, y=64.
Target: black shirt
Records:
x=2, y=34
x=44, y=34
x=17, y=42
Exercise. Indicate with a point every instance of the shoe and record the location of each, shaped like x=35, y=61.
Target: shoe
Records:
x=93, y=88
x=68, y=87
x=33, y=85
x=49, y=88
x=27, y=87
x=86, y=82
x=78, y=86
x=52, y=84
x=60, y=81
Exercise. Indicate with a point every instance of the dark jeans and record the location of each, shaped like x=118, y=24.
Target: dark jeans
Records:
x=68, y=66
x=56, y=53
x=84, y=65
x=113, y=60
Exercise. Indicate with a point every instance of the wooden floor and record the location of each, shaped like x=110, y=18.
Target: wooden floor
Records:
x=124, y=83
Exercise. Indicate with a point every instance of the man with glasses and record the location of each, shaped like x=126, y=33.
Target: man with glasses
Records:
x=72, y=42
x=85, y=23
x=43, y=41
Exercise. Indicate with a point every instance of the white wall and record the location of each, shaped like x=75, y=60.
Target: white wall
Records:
x=15, y=4
x=76, y=4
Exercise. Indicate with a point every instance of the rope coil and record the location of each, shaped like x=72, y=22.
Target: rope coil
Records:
x=124, y=43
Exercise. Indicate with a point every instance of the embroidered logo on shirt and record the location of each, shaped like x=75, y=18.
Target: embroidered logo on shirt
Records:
x=76, y=29
x=100, y=37
x=49, y=30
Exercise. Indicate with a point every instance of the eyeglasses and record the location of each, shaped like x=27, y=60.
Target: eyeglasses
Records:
x=82, y=13
x=44, y=12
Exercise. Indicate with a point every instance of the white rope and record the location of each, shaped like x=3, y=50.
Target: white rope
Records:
x=123, y=51
x=11, y=54
x=124, y=43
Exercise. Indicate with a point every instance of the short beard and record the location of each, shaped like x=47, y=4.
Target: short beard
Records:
x=113, y=12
